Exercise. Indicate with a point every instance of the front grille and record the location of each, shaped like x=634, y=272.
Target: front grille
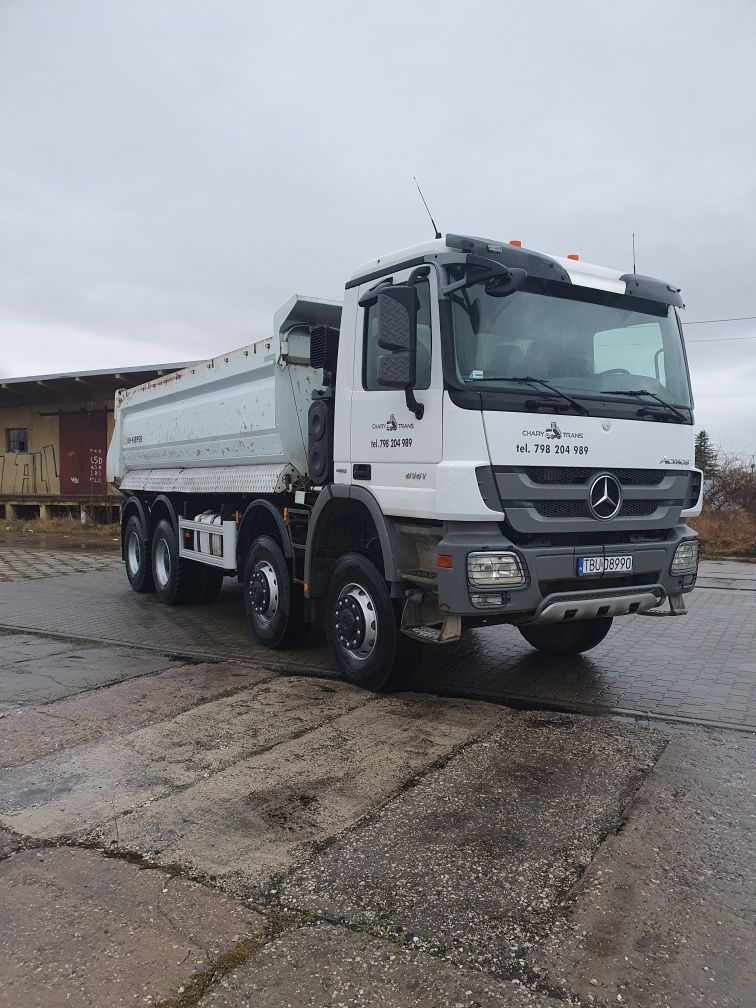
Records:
x=579, y=476
x=579, y=509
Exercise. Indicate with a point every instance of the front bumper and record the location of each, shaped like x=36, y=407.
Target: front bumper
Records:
x=552, y=586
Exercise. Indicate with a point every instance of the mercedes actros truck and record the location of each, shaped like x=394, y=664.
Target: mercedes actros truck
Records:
x=479, y=434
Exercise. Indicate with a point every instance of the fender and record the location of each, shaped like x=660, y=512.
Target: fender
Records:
x=135, y=505
x=166, y=502
x=254, y=509
x=363, y=496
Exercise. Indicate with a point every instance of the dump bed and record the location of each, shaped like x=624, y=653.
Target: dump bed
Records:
x=235, y=423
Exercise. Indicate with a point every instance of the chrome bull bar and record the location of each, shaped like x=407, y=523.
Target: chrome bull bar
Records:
x=562, y=607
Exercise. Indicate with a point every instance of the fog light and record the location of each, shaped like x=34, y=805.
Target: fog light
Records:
x=685, y=558
x=492, y=570
x=484, y=601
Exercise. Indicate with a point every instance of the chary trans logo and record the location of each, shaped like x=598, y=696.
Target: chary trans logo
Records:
x=392, y=424
x=554, y=432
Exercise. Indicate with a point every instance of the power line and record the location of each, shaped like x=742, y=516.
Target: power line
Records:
x=710, y=321
x=718, y=339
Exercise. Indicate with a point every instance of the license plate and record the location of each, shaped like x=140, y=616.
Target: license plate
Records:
x=604, y=565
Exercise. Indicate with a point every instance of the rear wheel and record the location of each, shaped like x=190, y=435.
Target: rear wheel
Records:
x=567, y=638
x=275, y=606
x=172, y=575
x=136, y=554
x=362, y=630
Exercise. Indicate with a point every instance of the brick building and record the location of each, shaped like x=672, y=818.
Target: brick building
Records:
x=55, y=431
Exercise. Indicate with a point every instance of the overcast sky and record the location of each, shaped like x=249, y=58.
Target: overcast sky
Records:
x=172, y=170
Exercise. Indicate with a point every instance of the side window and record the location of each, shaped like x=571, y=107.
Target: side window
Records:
x=371, y=350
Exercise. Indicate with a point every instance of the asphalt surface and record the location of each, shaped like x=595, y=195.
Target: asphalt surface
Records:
x=186, y=819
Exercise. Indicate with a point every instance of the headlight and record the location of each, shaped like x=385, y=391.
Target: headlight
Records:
x=494, y=570
x=685, y=558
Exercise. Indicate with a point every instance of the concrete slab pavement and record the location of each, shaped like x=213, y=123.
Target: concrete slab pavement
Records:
x=473, y=861
x=66, y=670
x=664, y=915
x=331, y=967
x=248, y=823
x=738, y=575
x=80, y=929
x=113, y=778
x=34, y=732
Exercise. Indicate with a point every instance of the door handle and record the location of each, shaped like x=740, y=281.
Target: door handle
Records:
x=361, y=471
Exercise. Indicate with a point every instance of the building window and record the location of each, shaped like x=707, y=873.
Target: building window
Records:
x=17, y=439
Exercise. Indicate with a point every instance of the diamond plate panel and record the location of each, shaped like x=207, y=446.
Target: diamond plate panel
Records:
x=269, y=478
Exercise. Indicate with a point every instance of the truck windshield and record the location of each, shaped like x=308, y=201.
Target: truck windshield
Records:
x=585, y=342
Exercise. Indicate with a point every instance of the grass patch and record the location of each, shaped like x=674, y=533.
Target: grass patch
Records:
x=68, y=526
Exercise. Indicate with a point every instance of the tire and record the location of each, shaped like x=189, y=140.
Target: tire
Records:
x=207, y=583
x=378, y=657
x=275, y=607
x=136, y=555
x=172, y=575
x=567, y=638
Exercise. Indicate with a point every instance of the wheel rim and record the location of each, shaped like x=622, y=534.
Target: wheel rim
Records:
x=355, y=622
x=162, y=562
x=134, y=554
x=263, y=592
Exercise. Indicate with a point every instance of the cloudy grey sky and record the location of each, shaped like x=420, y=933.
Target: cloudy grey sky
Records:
x=172, y=170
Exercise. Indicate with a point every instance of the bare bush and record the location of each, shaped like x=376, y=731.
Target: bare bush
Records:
x=725, y=533
x=732, y=486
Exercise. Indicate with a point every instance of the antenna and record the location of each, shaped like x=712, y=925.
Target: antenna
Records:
x=634, y=270
x=437, y=233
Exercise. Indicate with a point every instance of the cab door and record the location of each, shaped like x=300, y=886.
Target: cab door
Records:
x=393, y=453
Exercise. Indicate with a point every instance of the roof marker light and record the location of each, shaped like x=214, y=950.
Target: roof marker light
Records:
x=516, y=243
x=573, y=255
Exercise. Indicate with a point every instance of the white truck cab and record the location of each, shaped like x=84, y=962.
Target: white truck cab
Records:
x=479, y=434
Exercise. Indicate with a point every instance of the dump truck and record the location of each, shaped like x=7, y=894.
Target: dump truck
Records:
x=479, y=434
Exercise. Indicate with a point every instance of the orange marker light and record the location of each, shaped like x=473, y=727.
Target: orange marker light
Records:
x=516, y=243
x=444, y=561
x=573, y=255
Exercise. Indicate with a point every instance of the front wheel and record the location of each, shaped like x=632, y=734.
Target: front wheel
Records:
x=361, y=627
x=274, y=604
x=567, y=638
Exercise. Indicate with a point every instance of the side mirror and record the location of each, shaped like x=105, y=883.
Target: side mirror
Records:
x=395, y=370
x=396, y=310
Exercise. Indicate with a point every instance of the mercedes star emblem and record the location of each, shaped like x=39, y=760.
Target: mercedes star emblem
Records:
x=605, y=497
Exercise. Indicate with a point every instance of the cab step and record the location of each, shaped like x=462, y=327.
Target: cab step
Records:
x=449, y=631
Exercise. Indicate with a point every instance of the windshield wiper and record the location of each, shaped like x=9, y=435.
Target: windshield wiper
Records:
x=642, y=392
x=539, y=381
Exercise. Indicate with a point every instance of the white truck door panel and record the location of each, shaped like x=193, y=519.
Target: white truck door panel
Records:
x=401, y=451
